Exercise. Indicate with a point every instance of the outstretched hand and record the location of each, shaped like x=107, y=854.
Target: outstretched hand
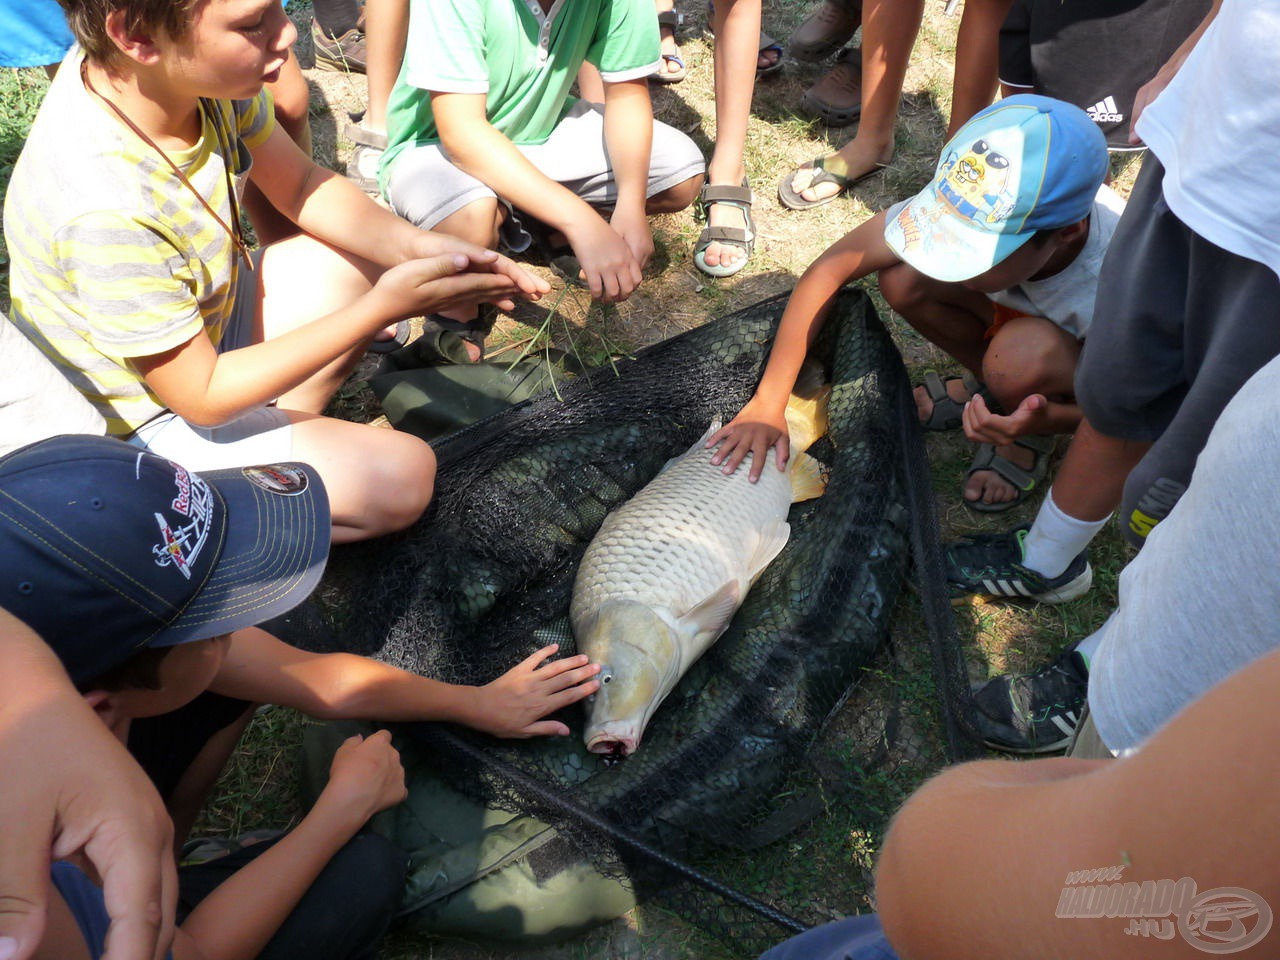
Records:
x=753, y=431
x=482, y=260
x=515, y=703
x=983, y=426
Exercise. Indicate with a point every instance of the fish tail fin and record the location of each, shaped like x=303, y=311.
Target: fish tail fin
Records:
x=808, y=478
x=807, y=408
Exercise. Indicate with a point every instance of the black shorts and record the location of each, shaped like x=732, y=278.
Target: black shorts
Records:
x=1180, y=324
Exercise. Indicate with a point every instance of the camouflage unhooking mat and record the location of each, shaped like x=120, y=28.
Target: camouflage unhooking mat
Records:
x=519, y=839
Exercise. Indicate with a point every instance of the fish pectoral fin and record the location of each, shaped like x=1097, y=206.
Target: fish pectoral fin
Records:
x=773, y=538
x=713, y=614
x=808, y=478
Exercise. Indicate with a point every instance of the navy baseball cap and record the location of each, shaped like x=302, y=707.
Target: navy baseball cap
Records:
x=1024, y=164
x=106, y=549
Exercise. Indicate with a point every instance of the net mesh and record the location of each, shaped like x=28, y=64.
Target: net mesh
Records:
x=485, y=579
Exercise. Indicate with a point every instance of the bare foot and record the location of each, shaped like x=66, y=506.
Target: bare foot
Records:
x=988, y=486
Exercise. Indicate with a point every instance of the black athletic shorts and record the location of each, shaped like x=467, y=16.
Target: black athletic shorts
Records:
x=165, y=746
x=1179, y=325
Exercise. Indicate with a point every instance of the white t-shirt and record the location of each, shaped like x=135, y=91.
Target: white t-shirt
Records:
x=1216, y=129
x=1067, y=297
x=36, y=400
x=1201, y=600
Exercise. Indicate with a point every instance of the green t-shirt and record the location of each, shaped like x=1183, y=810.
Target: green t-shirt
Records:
x=523, y=60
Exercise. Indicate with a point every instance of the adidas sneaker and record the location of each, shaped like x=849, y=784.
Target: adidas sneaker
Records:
x=990, y=564
x=1034, y=713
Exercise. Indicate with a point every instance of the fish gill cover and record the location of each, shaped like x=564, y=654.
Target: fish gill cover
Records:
x=485, y=578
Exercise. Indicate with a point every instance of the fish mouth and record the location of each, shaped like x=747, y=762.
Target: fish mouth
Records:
x=612, y=745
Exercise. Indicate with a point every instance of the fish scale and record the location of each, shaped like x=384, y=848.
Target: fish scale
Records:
x=683, y=536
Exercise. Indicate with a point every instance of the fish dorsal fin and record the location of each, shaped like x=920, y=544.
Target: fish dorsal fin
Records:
x=713, y=614
x=808, y=478
x=772, y=539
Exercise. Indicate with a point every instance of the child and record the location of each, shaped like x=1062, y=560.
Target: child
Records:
x=144, y=579
x=482, y=129
x=996, y=262
x=123, y=231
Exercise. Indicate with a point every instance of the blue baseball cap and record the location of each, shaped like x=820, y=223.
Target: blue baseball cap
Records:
x=1024, y=164
x=106, y=549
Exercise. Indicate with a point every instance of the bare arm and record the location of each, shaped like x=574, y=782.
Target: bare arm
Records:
x=1150, y=90
x=977, y=860
x=238, y=918
x=475, y=146
x=208, y=388
x=762, y=422
x=260, y=668
x=70, y=787
x=628, y=135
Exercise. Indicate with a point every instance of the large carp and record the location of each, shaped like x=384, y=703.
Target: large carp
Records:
x=668, y=569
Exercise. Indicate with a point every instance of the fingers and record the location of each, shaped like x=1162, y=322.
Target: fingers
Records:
x=530, y=286
x=536, y=659
x=782, y=451
x=139, y=886
x=544, y=728
x=24, y=893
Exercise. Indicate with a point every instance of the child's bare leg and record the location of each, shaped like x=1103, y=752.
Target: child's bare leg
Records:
x=1028, y=355
x=737, y=51
x=977, y=57
x=675, y=198
x=1090, y=480
x=197, y=781
x=292, y=99
x=378, y=480
x=946, y=314
x=303, y=279
x=386, y=29
x=889, y=29
x=477, y=222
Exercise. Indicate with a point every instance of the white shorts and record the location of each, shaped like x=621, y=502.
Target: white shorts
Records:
x=424, y=187
x=262, y=435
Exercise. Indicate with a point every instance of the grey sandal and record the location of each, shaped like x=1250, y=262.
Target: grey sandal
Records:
x=947, y=412
x=1024, y=481
x=740, y=197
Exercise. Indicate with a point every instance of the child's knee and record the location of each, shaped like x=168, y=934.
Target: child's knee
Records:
x=407, y=481
x=477, y=222
x=676, y=198
x=1030, y=355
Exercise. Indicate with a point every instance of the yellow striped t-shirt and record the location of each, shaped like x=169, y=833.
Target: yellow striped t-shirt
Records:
x=111, y=256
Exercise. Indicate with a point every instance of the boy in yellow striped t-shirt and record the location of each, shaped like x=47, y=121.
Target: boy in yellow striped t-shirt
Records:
x=129, y=272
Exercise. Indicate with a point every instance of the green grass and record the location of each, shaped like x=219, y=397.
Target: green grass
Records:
x=824, y=868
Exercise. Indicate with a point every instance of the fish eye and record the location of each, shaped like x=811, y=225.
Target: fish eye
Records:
x=606, y=678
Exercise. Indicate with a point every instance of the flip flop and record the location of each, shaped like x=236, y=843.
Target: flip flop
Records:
x=794, y=199
x=671, y=20
x=769, y=45
x=1024, y=481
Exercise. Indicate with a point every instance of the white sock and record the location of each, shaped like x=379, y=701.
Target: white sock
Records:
x=1055, y=539
x=1089, y=646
